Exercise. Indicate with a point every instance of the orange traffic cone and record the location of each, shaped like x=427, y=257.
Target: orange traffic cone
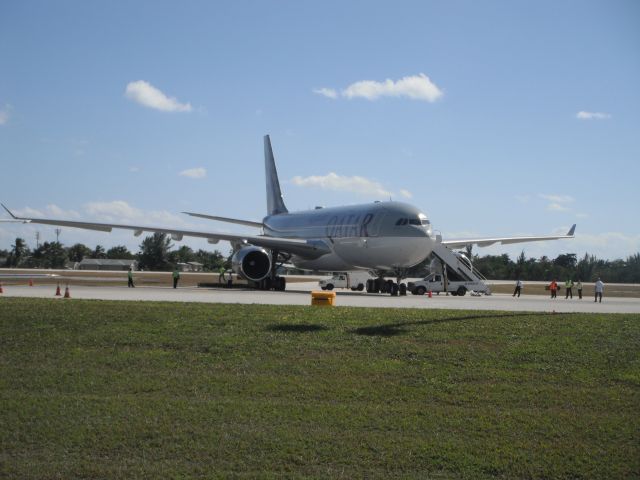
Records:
x=66, y=292
x=30, y=283
x=58, y=290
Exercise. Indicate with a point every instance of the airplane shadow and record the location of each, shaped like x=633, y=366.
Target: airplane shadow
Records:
x=296, y=328
x=392, y=329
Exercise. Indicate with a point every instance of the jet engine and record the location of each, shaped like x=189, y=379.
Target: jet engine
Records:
x=253, y=263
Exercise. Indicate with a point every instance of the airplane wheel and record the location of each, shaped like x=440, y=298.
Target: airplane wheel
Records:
x=394, y=289
x=403, y=289
x=388, y=286
x=370, y=286
x=360, y=287
x=323, y=288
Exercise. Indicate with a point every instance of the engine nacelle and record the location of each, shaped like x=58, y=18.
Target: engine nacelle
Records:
x=253, y=263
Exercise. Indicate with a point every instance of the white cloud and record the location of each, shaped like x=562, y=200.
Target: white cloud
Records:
x=556, y=207
x=149, y=96
x=326, y=92
x=134, y=169
x=194, y=173
x=582, y=115
x=333, y=181
x=4, y=114
x=406, y=193
x=58, y=212
x=120, y=211
x=558, y=203
x=557, y=198
x=111, y=210
x=28, y=212
x=414, y=87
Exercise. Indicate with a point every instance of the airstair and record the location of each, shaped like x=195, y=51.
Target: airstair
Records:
x=458, y=268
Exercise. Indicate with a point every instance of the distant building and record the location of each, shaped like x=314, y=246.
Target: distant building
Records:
x=107, y=264
x=190, y=267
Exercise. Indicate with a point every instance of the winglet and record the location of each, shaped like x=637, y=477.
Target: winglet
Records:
x=9, y=212
x=571, y=231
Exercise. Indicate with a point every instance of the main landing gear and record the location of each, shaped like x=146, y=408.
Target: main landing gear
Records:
x=274, y=281
x=380, y=285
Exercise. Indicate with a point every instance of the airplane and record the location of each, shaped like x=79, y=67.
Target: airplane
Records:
x=378, y=237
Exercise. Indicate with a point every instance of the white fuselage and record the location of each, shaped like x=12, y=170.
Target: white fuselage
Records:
x=377, y=236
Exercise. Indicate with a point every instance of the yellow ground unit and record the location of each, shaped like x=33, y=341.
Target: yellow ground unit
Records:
x=324, y=299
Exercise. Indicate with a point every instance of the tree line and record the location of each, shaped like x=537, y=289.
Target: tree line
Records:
x=155, y=254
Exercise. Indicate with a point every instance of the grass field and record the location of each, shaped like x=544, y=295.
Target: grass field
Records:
x=94, y=389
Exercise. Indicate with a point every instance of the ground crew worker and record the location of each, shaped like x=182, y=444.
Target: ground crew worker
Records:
x=518, y=288
x=176, y=277
x=554, y=288
x=568, y=285
x=130, y=278
x=579, y=287
x=599, y=290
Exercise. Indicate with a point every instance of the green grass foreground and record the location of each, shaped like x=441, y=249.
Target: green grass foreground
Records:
x=97, y=389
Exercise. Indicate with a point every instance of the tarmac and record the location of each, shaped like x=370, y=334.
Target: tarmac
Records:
x=300, y=294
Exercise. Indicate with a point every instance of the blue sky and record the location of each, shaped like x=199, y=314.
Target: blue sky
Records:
x=495, y=118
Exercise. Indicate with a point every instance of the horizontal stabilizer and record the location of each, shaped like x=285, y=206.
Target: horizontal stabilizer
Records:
x=247, y=223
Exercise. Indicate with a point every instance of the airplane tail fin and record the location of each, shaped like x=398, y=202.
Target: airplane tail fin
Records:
x=275, y=203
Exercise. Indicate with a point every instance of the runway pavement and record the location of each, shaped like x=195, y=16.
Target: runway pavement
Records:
x=300, y=294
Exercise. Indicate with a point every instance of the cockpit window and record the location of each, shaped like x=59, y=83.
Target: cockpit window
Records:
x=420, y=221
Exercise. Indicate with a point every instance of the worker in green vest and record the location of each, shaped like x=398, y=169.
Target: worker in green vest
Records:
x=568, y=285
x=176, y=277
x=130, y=278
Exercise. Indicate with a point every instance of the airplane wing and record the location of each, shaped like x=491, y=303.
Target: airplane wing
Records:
x=307, y=249
x=485, y=242
x=247, y=223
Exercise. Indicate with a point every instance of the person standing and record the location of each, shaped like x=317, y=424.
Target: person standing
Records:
x=568, y=285
x=130, y=278
x=599, y=290
x=579, y=287
x=176, y=277
x=519, y=285
x=554, y=288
